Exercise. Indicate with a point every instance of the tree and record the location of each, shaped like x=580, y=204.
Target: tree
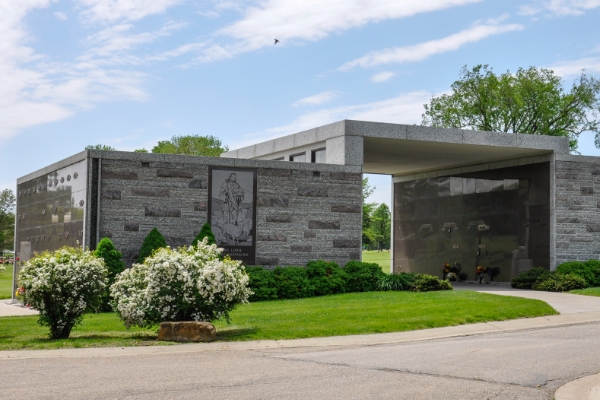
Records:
x=205, y=232
x=155, y=240
x=7, y=219
x=382, y=222
x=112, y=259
x=531, y=101
x=192, y=145
x=368, y=235
x=100, y=147
x=140, y=151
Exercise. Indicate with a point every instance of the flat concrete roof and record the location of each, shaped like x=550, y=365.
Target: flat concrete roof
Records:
x=398, y=149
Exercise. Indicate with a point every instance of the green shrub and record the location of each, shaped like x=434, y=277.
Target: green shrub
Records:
x=262, y=282
x=397, y=282
x=560, y=283
x=205, y=232
x=582, y=270
x=326, y=277
x=429, y=283
x=527, y=279
x=154, y=241
x=594, y=265
x=112, y=259
x=362, y=277
x=292, y=283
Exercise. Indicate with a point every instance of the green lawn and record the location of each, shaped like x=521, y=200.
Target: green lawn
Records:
x=382, y=258
x=6, y=282
x=594, y=291
x=345, y=314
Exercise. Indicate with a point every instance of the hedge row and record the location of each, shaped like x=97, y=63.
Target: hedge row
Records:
x=568, y=276
x=321, y=278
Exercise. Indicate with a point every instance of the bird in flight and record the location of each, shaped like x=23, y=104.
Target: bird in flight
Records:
x=276, y=41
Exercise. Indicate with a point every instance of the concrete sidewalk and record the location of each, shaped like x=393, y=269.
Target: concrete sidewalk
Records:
x=564, y=303
x=7, y=309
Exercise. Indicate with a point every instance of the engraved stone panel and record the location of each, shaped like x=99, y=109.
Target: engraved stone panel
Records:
x=131, y=227
x=119, y=174
x=323, y=224
x=198, y=184
x=313, y=191
x=111, y=195
x=279, y=218
x=357, y=209
x=150, y=192
x=345, y=243
x=173, y=173
x=162, y=212
x=301, y=249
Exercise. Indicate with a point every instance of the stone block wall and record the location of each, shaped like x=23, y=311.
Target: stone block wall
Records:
x=304, y=211
x=577, y=208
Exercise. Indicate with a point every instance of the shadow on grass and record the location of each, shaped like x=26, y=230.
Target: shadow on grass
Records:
x=234, y=333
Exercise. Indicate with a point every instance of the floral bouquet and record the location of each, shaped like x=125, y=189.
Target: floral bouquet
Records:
x=446, y=269
x=480, y=273
x=452, y=277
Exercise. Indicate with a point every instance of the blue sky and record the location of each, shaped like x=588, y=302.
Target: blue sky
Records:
x=128, y=73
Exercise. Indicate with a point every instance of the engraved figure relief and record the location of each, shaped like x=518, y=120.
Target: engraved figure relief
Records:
x=232, y=207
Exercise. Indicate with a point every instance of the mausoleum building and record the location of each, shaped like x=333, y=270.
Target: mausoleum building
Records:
x=499, y=200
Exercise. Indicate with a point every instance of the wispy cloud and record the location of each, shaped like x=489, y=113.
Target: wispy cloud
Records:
x=119, y=10
x=382, y=76
x=421, y=51
x=319, y=98
x=559, y=7
x=309, y=20
x=566, y=69
x=61, y=15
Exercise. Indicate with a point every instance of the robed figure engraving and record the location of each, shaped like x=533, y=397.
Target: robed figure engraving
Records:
x=232, y=196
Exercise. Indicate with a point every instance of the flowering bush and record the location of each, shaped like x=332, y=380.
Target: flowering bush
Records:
x=2, y=268
x=186, y=284
x=62, y=285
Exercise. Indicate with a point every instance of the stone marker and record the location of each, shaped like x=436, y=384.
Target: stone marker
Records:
x=187, y=331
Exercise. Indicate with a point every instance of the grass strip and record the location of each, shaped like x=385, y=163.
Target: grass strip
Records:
x=378, y=257
x=6, y=282
x=594, y=291
x=345, y=314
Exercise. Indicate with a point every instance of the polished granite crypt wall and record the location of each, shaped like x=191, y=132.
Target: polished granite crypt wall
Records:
x=492, y=218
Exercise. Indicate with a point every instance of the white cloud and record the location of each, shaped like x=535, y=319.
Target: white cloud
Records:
x=310, y=20
x=575, y=67
x=382, y=76
x=61, y=15
x=421, y=51
x=319, y=98
x=117, y=10
x=559, y=7
x=404, y=109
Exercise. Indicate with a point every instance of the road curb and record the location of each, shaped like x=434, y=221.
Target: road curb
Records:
x=587, y=388
x=332, y=341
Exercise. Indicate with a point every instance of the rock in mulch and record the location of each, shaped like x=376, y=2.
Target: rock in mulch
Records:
x=187, y=331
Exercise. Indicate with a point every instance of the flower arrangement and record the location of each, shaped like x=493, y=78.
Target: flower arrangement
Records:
x=452, y=277
x=62, y=285
x=480, y=273
x=185, y=284
x=445, y=270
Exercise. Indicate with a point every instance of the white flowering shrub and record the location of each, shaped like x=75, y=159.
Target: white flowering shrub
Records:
x=62, y=285
x=2, y=268
x=186, y=284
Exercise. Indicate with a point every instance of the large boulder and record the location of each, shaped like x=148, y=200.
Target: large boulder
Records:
x=187, y=331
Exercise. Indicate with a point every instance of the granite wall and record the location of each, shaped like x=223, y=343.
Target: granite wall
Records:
x=304, y=211
x=577, y=208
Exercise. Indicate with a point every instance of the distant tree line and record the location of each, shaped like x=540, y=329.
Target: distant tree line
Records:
x=191, y=145
x=376, y=223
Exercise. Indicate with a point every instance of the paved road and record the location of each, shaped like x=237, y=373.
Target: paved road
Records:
x=526, y=364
